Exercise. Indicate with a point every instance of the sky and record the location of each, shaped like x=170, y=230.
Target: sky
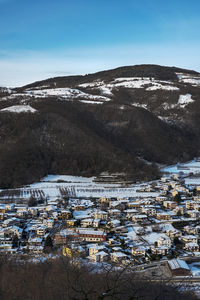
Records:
x=47, y=38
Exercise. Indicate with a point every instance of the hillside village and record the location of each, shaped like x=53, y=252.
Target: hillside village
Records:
x=119, y=230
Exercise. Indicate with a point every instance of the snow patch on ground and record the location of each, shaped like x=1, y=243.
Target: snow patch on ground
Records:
x=15, y=96
x=140, y=105
x=185, y=100
x=19, y=109
x=39, y=87
x=164, y=119
x=186, y=168
x=162, y=87
x=100, y=85
x=65, y=93
x=193, y=81
x=167, y=106
x=138, y=82
x=5, y=90
x=132, y=83
x=91, y=102
x=188, y=78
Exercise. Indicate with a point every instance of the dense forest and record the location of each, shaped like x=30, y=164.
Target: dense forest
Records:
x=61, y=279
x=65, y=139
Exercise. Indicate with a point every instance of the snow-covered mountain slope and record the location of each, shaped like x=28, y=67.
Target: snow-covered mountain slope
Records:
x=166, y=98
x=130, y=83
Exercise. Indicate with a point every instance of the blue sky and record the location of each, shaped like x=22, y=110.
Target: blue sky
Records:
x=46, y=38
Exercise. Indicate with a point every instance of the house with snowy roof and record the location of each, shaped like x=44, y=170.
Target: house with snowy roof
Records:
x=160, y=250
x=90, y=235
x=193, y=213
x=10, y=206
x=2, y=209
x=102, y=215
x=17, y=231
x=35, y=241
x=114, y=212
x=87, y=222
x=10, y=222
x=139, y=218
x=189, y=238
x=163, y=216
x=41, y=230
x=100, y=256
x=61, y=238
x=170, y=204
x=118, y=257
x=178, y=267
x=164, y=240
x=149, y=210
x=95, y=248
x=172, y=233
x=193, y=247
x=115, y=223
x=48, y=223
x=134, y=204
x=36, y=249
x=130, y=212
x=139, y=250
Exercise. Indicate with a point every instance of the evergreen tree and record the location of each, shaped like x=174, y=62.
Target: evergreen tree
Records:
x=15, y=241
x=194, y=192
x=177, y=198
x=48, y=245
x=32, y=201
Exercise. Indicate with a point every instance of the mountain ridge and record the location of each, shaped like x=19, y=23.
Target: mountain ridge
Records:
x=136, y=69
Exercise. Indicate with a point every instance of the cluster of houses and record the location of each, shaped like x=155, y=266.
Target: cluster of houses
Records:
x=161, y=223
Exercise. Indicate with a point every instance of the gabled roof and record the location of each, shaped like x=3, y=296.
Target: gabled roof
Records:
x=178, y=264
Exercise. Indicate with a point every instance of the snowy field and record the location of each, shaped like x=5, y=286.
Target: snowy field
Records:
x=185, y=168
x=54, y=186
x=86, y=187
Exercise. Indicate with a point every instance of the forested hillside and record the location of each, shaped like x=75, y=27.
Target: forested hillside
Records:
x=124, y=120
x=60, y=279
